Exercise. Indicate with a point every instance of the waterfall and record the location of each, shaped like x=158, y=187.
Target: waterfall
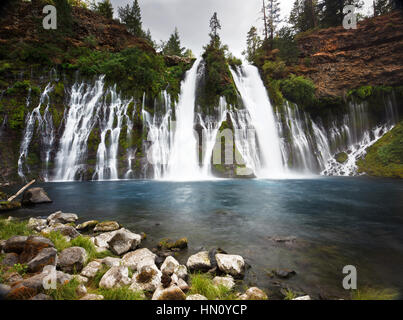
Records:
x=159, y=136
x=111, y=120
x=183, y=162
x=257, y=103
x=45, y=131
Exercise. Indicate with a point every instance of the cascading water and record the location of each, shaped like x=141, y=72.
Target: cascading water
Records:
x=79, y=122
x=45, y=131
x=257, y=103
x=183, y=163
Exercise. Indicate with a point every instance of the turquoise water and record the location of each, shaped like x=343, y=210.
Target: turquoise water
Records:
x=336, y=222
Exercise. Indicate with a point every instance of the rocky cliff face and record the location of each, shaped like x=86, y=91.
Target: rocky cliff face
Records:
x=338, y=60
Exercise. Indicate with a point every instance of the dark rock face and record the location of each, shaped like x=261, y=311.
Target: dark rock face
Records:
x=10, y=259
x=284, y=273
x=15, y=244
x=344, y=59
x=46, y=257
x=72, y=259
x=35, y=196
x=33, y=246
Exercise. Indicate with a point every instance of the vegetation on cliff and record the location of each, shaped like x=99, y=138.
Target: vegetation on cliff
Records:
x=385, y=157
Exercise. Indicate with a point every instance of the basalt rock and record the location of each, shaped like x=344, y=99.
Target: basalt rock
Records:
x=10, y=259
x=35, y=196
x=15, y=244
x=72, y=259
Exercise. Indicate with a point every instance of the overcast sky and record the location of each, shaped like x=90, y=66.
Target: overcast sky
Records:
x=192, y=19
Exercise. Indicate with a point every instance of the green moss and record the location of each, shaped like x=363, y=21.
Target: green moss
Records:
x=374, y=294
x=299, y=90
x=385, y=157
x=341, y=157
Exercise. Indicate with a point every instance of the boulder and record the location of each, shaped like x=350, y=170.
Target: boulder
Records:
x=67, y=231
x=303, y=298
x=182, y=272
x=231, y=264
x=81, y=290
x=115, y=277
x=199, y=262
x=111, y=262
x=196, y=297
x=169, y=266
x=10, y=259
x=139, y=258
x=124, y=241
x=61, y=217
x=15, y=244
x=171, y=293
x=35, y=196
x=91, y=296
x=88, y=225
x=4, y=291
x=179, y=282
x=41, y=296
x=102, y=239
x=284, y=273
x=33, y=246
x=254, y=294
x=46, y=256
x=168, y=244
x=148, y=278
x=72, y=259
x=91, y=269
x=80, y=279
x=37, y=224
x=226, y=281
x=13, y=278
x=21, y=292
x=106, y=226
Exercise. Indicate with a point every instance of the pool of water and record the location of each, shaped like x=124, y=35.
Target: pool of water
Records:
x=336, y=222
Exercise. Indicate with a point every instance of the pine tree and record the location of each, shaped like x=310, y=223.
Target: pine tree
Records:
x=214, y=26
x=382, y=7
x=131, y=17
x=173, y=46
x=273, y=19
x=105, y=8
x=296, y=14
x=332, y=11
x=253, y=43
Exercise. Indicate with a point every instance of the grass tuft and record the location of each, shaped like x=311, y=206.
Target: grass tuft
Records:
x=123, y=293
x=203, y=284
x=66, y=291
x=12, y=228
x=374, y=294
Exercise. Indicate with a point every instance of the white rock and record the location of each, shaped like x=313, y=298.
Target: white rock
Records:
x=115, y=277
x=123, y=241
x=181, y=271
x=169, y=266
x=37, y=224
x=81, y=290
x=91, y=296
x=148, y=278
x=139, y=258
x=111, y=262
x=102, y=239
x=196, y=297
x=254, y=293
x=303, y=298
x=91, y=269
x=230, y=264
x=171, y=293
x=80, y=279
x=226, y=281
x=61, y=217
x=199, y=261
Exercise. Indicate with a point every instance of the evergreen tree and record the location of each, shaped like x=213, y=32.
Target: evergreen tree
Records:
x=382, y=7
x=105, y=8
x=173, y=46
x=253, y=43
x=273, y=19
x=131, y=17
x=295, y=19
x=332, y=11
x=214, y=26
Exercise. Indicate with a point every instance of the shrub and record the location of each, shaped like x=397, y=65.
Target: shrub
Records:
x=274, y=69
x=299, y=90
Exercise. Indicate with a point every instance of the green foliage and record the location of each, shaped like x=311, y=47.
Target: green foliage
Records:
x=203, y=284
x=289, y=295
x=304, y=15
x=12, y=228
x=298, y=90
x=105, y=9
x=374, y=294
x=173, y=46
x=275, y=69
x=233, y=61
x=131, y=17
x=58, y=240
x=385, y=157
x=287, y=46
x=253, y=43
x=341, y=157
x=64, y=16
x=66, y=291
x=21, y=269
x=123, y=293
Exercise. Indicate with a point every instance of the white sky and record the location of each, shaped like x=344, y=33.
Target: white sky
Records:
x=192, y=19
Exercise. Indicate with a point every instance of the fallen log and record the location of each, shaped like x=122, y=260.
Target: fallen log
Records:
x=21, y=191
